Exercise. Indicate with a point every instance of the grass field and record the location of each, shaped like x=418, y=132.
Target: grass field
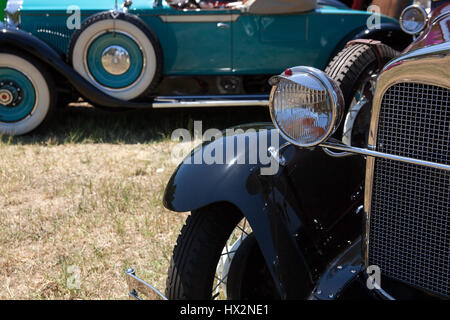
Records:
x=80, y=201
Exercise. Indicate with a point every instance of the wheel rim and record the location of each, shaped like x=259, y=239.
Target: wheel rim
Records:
x=363, y=94
x=366, y=90
x=131, y=60
x=17, y=95
x=239, y=234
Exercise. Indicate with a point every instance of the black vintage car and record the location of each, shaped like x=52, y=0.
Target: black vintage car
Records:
x=359, y=204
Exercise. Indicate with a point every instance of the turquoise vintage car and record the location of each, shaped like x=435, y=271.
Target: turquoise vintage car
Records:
x=150, y=53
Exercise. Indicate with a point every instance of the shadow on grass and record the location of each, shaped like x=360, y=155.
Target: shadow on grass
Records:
x=82, y=123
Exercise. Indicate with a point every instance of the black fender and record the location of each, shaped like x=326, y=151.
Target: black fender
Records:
x=19, y=40
x=389, y=33
x=302, y=216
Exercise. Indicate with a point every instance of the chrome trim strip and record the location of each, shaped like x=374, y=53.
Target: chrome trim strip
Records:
x=216, y=97
x=277, y=154
x=429, y=65
x=383, y=293
x=338, y=154
x=439, y=17
x=161, y=102
x=200, y=18
x=211, y=103
x=366, y=152
x=350, y=121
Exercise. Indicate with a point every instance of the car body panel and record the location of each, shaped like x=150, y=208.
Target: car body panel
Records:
x=210, y=54
x=15, y=39
x=194, y=44
x=308, y=40
x=312, y=187
x=424, y=61
x=295, y=229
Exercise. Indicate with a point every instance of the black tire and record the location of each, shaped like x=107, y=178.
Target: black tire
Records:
x=355, y=69
x=97, y=24
x=43, y=86
x=197, y=252
x=353, y=64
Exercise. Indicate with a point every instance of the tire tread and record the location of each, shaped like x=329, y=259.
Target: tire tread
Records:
x=197, y=251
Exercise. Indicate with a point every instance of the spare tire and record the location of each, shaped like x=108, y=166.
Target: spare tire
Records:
x=118, y=53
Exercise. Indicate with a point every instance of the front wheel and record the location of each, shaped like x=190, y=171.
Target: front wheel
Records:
x=26, y=100
x=217, y=257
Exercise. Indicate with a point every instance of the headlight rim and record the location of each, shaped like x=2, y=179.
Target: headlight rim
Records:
x=333, y=91
x=425, y=15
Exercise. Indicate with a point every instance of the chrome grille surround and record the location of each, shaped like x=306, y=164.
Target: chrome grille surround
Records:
x=407, y=231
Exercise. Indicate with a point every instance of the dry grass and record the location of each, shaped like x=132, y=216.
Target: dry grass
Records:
x=85, y=195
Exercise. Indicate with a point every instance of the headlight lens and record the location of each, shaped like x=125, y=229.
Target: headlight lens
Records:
x=413, y=19
x=306, y=107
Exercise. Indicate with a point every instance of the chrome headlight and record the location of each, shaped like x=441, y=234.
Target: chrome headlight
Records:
x=305, y=105
x=413, y=19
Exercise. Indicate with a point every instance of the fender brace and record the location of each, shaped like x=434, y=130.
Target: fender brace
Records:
x=374, y=44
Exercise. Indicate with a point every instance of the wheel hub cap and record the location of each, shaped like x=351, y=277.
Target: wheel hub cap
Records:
x=9, y=94
x=116, y=60
x=6, y=97
x=18, y=96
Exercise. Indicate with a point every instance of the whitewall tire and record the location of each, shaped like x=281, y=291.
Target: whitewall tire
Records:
x=119, y=56
x=25, y=96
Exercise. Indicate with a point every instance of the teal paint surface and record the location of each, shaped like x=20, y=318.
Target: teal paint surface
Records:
x=100, y=74
x=253, y=44
x=85, y=5
x=200, y=47
x=273, y=43
x=26, y=105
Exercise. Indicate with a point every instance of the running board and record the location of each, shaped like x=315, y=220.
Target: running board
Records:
x=210, y=101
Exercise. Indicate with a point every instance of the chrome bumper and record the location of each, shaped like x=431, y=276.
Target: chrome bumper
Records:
x=138, y=288
x=162, y=102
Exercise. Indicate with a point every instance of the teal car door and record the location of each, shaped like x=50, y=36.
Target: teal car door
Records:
x=271, y=43
x=265, y=43
x=198, y=42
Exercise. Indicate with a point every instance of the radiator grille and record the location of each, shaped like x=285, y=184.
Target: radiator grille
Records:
x=409, y=235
